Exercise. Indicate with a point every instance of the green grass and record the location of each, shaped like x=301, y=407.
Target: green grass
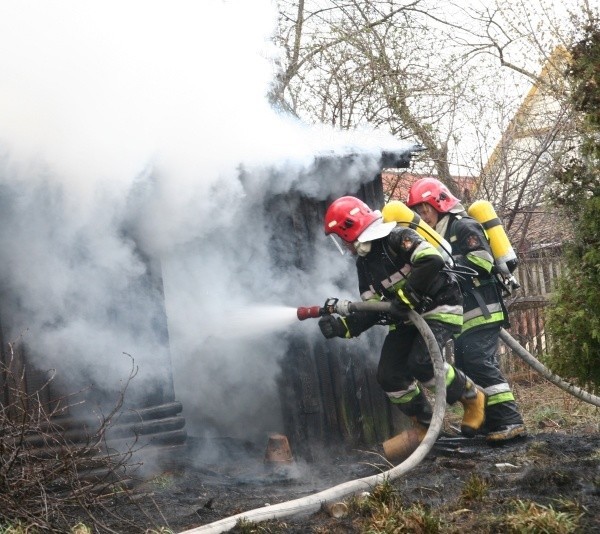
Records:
x=476, y=488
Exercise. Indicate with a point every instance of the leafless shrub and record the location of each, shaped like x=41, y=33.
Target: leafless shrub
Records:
x=51, y=479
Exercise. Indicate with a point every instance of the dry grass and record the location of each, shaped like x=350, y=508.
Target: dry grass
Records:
x=546, y=408
x=533, y=517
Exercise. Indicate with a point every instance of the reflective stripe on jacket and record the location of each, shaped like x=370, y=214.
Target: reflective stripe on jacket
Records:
x=405, y=261
x=482, y=301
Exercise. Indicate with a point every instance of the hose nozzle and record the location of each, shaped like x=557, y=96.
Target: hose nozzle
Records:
x=309, y=312
x=313, y=312
x=341, y=307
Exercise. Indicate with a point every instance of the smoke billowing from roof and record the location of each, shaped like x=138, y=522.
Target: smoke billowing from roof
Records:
x=137, y=135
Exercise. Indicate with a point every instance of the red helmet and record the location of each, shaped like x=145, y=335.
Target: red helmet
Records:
x=433, y=192
x=348, y=217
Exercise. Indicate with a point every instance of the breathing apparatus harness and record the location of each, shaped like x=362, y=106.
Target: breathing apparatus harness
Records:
x=450, y=265
x=506, y=283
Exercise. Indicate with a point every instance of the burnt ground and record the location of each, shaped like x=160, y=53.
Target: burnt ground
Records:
x=224, y=477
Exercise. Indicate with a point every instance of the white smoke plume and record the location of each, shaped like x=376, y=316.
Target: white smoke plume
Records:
x=141, y=128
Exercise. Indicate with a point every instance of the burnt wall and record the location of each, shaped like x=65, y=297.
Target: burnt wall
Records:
x=328, y=391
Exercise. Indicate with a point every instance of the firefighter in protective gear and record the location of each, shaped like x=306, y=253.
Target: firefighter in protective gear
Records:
x=396, y=264
x=476, y=346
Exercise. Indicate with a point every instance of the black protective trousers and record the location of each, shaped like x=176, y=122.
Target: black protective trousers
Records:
x=475, y=354
x=405, y=358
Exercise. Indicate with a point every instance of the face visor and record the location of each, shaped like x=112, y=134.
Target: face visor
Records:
x=376, y=230
x=362, y=246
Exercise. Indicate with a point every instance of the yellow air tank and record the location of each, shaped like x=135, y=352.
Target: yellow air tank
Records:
x=485, y=214
x=399, y=212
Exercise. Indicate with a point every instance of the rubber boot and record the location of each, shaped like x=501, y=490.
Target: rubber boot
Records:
x=420, y=427
x=418, y=409
x=473, y=401
x=401, y=446
x=503, y=422
x=506, y=433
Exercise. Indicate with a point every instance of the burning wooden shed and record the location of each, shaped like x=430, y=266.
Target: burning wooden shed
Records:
x=327, y=392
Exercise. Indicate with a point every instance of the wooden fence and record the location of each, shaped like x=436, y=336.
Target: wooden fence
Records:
x=537, y=274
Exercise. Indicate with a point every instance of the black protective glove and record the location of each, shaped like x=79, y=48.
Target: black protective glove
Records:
x=399, y=310
x=332, y=326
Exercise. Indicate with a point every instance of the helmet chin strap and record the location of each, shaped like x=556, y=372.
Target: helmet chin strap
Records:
x=362, y=249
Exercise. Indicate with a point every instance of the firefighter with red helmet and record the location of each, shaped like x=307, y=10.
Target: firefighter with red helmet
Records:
x=396, y=264
x=476, y=345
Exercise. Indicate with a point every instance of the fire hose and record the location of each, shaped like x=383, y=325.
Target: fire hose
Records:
x=312, y=503
x=345, y=307
x=538, y=366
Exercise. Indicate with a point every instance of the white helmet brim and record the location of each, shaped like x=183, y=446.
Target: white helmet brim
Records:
x=376, y=230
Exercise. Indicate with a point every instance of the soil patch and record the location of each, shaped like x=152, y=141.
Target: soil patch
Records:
x=220, y=478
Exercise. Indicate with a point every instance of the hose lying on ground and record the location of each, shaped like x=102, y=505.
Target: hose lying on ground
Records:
x=530, y=360
x=312, y=503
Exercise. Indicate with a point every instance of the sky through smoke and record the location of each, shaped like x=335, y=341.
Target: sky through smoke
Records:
x=142, y=128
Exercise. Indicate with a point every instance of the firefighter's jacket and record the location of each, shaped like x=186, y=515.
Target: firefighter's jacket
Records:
x=483, y=304
x=405, y=267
